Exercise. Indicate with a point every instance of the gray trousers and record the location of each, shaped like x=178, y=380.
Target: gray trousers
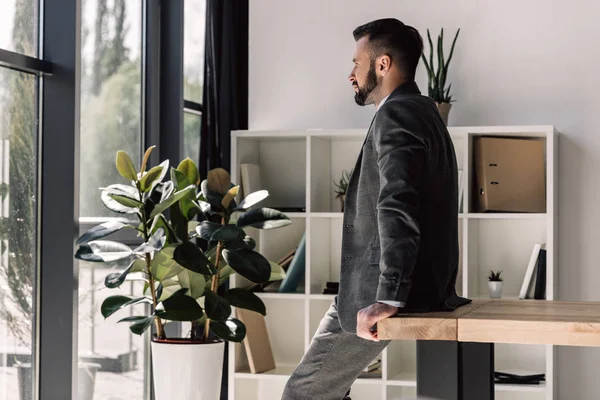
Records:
x=332, y=363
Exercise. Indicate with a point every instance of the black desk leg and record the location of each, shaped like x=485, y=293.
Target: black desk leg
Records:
x=451, y=370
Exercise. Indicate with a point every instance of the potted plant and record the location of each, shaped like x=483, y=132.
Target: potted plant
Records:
x=342, y=186
x=437, y=77
x=495, y=284
x=181, y=278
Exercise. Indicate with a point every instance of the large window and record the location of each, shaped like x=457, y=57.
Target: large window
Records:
x=18, y=203
x=193, y=74
x=111, y=104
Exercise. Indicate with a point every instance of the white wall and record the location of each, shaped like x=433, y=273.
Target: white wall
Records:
x=516, y=62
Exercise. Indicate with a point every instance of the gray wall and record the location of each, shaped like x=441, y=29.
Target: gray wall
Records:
x=516, y=63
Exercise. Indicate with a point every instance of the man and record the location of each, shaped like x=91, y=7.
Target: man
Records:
x=400, y=226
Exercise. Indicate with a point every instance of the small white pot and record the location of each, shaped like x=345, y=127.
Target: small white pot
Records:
x=495, y=289
x=187, y=371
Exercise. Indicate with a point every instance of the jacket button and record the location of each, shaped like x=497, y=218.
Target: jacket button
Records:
x=347, y=258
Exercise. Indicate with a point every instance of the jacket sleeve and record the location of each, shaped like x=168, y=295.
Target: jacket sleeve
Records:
x=401, y=153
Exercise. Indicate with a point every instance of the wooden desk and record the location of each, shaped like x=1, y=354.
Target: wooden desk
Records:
x=463, y=340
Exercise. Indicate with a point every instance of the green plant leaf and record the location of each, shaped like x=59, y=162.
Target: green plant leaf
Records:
x=230, y=196
x=150, y=178
x=206, y=229
x=190, y=170
x=263, y=218
x=168, y=288
x=216, y=307
x=121, y=190
x=163, y=265
x=116, y=279
x=102, y=230
x=189, y=256
x=253, y=198
x=231, y=330
x=277, y=272
x=138, y=266
x=250, y=264
x=219, y=181
x=161, y=222
x=154, y=243
x=125, y=166
x=187, y=205
x=163, y=205
x=140, y=325
x=180, y=307
x=126, y=201
x=112, y=304
x=146, y=158
x=226, y=233
x=103, y=251
x=243, y=298
x=195, y=283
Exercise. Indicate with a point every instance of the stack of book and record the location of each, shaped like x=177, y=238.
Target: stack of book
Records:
x=519, y=379
x=373, y=370
x=534, y=282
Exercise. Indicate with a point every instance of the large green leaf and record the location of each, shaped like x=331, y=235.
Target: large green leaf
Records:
x=230, y=196
x=263, y=218
x=226, y=233
x=243, y=298
x=161, y=222
x=112, y=304
x=167, y=288
x=195, y=283
x=189, y=256
x=231, y=330
x=116, y=279
x=180, y=307
x=212, y=198
x=277, y=272
x=103, y=251
x=102, y=230
x=187, y=204
x=146, y=158
x=150, y=178
x=126, y=201
x=216, y=307
x=250, y=264
x=122, y=191
x=163, y=205
x=154, y=243
x=125, y=166
x=190, y=170
x=138, y=266
x=163, y=265
x=163, y=172
x=141, y=323
x=253, y=198
x=206, y=229
x=219, y=181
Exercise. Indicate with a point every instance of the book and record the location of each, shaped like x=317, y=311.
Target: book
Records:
x=256, y=343
x=251, y=182
x=539, y=292
x=527, y=279
x=295, y=272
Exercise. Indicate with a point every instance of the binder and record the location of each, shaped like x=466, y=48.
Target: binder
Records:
x=509, y=175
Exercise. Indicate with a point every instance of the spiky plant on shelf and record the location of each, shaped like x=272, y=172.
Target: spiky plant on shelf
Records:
x=341, y=187
x=437, y=77
x=495, y=284
x=181, y=279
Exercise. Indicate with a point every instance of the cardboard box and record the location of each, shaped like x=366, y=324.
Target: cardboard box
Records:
x=509, y=175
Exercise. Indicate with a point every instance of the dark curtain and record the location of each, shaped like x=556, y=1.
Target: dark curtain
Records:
x=225, y=98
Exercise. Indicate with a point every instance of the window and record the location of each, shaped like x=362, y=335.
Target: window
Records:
x=193, y=72
x=111, y=104
x=19, y=26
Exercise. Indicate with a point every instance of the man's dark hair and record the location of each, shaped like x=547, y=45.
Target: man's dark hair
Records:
x=402, y=43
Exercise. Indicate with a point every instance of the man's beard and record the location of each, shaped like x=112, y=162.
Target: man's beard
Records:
x=362, y=96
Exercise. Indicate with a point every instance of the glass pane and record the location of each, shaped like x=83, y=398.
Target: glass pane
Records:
x=110, y=95
x=191, y=136
x=19, y=26
x=194, y=22
x=18, y=222
x=111, y=357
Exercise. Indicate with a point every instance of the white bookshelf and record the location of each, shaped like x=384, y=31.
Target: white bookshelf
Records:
x=298, y=169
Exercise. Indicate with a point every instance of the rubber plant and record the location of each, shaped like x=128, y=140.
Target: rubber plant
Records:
x=181, y=279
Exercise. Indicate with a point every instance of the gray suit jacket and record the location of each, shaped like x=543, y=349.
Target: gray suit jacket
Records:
x=400, y=227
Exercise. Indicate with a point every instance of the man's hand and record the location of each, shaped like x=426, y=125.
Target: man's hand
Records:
x=368, y=317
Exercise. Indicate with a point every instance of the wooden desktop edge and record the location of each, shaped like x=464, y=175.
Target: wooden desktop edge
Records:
x=558, y=323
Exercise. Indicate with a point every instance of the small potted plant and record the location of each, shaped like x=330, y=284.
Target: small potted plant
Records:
x=437, y=89
x=495, y=284
x=342, y=186
x=186, y=257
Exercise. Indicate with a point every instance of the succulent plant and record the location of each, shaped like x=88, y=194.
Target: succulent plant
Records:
x=494, y=276
x=437, y=78
x=342, y=186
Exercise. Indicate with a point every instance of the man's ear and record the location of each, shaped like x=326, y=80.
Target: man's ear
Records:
x=384, y=64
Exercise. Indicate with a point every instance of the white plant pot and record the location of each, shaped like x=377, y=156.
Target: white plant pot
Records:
x=187, y=371
x=495, y=289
